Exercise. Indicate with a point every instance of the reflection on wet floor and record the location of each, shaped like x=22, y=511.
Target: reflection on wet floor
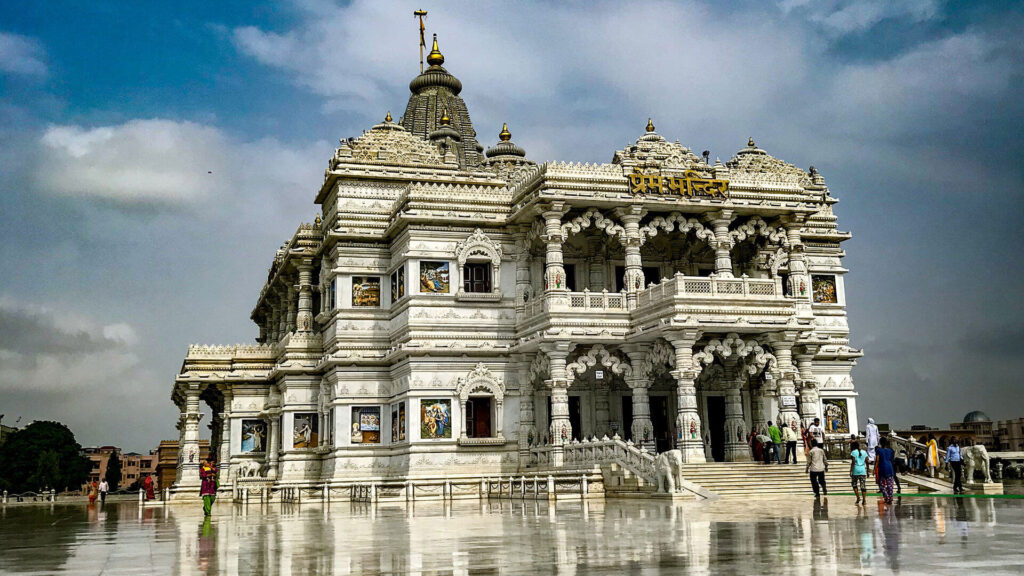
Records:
x=792, y=535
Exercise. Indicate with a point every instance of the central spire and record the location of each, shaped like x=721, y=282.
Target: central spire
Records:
x=435, y=58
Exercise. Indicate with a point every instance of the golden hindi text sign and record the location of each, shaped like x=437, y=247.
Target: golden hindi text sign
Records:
x=690, y=185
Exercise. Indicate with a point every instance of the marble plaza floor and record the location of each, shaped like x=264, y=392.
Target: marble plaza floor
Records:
x=795, y=535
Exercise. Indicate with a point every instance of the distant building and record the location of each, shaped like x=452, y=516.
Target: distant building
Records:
x=976, y=428
x=979, y=425
x=134, y=466
x=1009, y=435
x=166, y=456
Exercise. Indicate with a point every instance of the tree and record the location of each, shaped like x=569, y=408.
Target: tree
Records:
x=113, y=475
x=42, y=454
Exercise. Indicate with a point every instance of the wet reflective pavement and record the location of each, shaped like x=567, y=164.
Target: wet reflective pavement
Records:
x=786, y=536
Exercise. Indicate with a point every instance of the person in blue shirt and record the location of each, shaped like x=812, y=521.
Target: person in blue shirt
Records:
x=956, y=462
x=859, y=472
x=885, y=468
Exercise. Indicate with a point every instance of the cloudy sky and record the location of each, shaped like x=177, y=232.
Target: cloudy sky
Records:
x=154, y=155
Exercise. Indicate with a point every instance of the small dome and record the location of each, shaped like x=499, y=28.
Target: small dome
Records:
x=976, y=416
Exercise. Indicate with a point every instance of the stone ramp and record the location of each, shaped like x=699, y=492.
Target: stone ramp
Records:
x=749, y=479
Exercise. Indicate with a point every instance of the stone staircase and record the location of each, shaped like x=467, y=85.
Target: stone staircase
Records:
x=738, y=479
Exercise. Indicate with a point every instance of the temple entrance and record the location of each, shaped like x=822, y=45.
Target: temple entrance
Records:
x=478, y=417
x=627, y=417
x=661, y=421
x=574, y=417
x=716, y=426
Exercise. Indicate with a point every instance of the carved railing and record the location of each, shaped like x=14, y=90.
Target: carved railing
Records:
x=711, y=287
x=909, y=446
x=594, y=452
x=585, y=301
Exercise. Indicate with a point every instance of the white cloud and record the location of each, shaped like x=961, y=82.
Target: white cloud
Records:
x=166, y=163
x=849, y=16
x=22, y=55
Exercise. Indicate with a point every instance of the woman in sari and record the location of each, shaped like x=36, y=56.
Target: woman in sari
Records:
x=208, y=490
x=148, y=485
x=94, y=491
x=932, y=455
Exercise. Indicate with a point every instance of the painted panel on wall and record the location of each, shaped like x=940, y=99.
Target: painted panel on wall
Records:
x=254, y=434
x=434, y=277
x=837, y=418
x=366, y=425
x=305, y=430
x=435, y=419
x=365, y=291
x=824, y=288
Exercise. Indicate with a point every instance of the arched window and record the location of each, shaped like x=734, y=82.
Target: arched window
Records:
x=479, y=258
x=481, y=399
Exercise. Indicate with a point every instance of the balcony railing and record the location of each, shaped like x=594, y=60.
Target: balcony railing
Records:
x=711, y=287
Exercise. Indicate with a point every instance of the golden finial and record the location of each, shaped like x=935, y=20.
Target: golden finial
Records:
x=435, y=58
x=650, y=125
x=445, y=120
x=317, y=221
x=504, y=135
x=750, y=142
x=388, y=117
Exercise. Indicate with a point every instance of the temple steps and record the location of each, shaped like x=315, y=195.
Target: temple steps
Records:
x=740, y=479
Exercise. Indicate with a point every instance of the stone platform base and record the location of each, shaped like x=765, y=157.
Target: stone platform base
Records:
x=985, y=488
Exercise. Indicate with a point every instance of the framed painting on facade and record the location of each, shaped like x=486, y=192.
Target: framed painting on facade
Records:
x=836, y=416
x=401, y=281
x=394, y=423
x=394, y=286
x=254, y=435
x=401, y=421
x=435, y=419
x=366, y=291
x=365, y=425
x=305, y=430
x=824, y=288
x=434, y=277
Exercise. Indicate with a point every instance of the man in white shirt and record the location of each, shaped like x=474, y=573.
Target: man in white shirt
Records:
x=817, y=432
x=104, y=488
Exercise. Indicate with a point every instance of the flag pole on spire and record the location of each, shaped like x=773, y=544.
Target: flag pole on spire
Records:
x=423, y=41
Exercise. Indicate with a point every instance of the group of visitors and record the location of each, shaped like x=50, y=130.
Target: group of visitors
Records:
x=99, y=490
x=767, y=445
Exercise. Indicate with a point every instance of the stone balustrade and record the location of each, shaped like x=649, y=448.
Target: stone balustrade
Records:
x=592, y=452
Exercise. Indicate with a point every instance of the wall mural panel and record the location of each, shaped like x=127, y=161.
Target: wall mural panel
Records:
x=434, y=277
x=824, y=288
x=254, y=434
x=837, y=419
x=366, y=424
x=365, y=291
x=435, y=419
x=305, y=426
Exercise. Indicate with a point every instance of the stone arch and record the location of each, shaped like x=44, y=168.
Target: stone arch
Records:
x=593, y=217
x=598, y=354
x=759, y=359
x=481, y=382
x=479, y=247
x=755, y=227
x=660, y=355
x=676, y=221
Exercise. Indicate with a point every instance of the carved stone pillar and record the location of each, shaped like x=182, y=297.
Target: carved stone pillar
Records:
x=304, y=320
x=293, y=301
x=757, y=418
x=688, y=426
x=188, y=447
x=810, y=401
x=736, y=449
x=224, y=457
x=597, y=267
x=799, y=279
x=723, y=243
x=633, y=279
x=523, y=285
x=639, y=382
x=273, y=328
x=273, y=445
x=554, y=271
x=787, y=382
x=561, y=429
x=601, y=411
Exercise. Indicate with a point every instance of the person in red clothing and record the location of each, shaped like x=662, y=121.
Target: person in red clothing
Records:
x=208, y=490
x=148, y=485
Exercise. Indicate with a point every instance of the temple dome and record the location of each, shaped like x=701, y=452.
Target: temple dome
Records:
x=976, y=416
x=435, y=93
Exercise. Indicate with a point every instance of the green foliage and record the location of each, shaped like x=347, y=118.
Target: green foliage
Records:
x=113, y=475
x=42, y=455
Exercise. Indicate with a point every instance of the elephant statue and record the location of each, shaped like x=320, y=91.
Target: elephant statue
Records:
x=976, y=458
x=249, y=469
x=668, y=467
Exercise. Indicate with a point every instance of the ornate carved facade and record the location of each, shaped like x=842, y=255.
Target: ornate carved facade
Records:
x=454, y=308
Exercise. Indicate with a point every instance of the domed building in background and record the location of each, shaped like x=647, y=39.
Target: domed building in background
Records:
x=464, y=312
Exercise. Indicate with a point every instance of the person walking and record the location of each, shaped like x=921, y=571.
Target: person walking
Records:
x=932, y=455
x=789, y=437
x=871, y=435
x=755, y=445
x=104, y=488
x=859, y=472
x=817, y=432
x=94, y=491
x=956, y=463
x=208, y=490
x=885, y=469
x=817, y=465
x=805, y=435
x=148, y=485
x=776, y=436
